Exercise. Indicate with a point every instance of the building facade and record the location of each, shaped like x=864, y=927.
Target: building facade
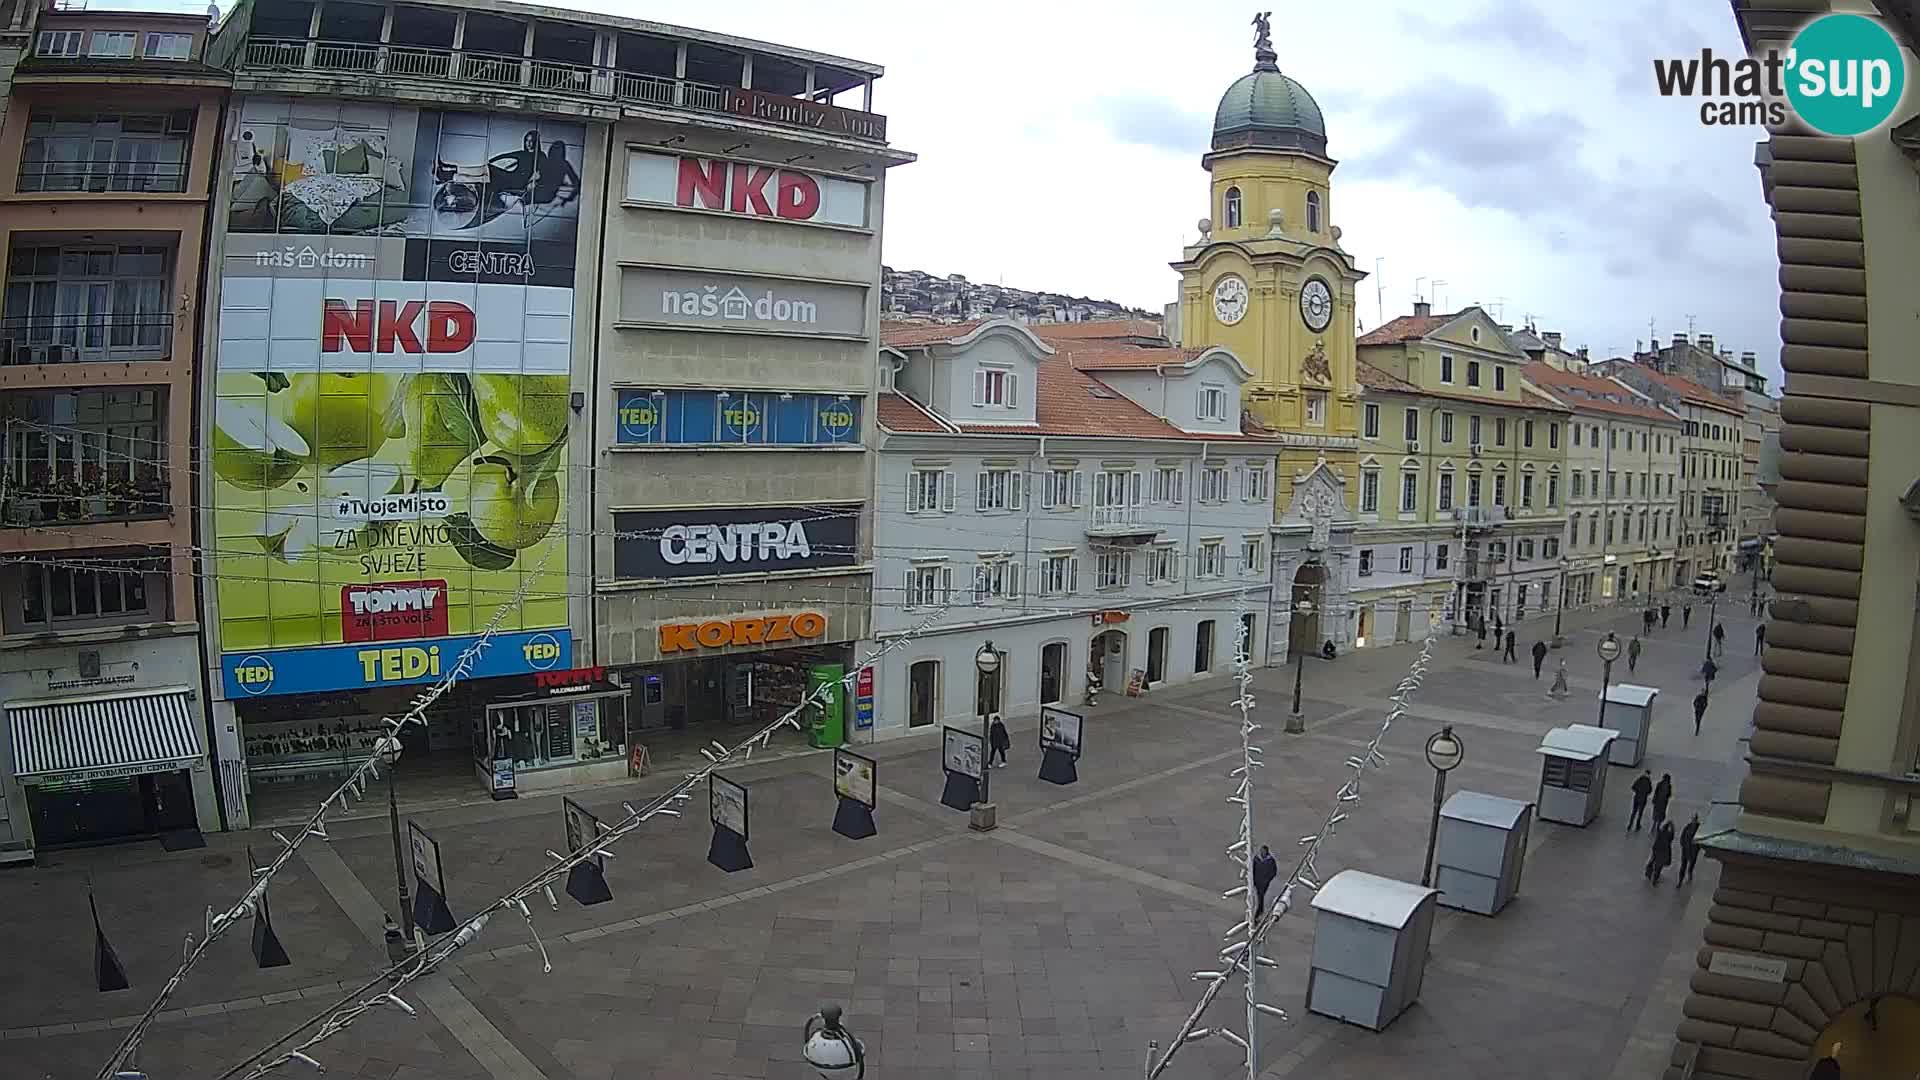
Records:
x=1093, y=510
x=484, y=270
x=1809, y=949
x=1465, y=466
x=1622, y=488
x=110, y=131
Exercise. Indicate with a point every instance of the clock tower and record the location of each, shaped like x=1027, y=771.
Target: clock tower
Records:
x=1268, y=278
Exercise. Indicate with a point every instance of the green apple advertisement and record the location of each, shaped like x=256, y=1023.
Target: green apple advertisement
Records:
x=393, y=390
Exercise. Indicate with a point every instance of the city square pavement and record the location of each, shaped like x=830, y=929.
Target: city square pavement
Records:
x=1054, y=947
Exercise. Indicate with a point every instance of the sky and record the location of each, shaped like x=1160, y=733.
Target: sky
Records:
x=1511, y=153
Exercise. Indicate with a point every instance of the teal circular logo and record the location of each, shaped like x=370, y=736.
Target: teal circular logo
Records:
x=1845, y=74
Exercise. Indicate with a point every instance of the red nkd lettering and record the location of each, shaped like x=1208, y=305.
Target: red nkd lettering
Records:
x=739, y=188
x=391, y=326
x=703, y=184
x=799, y=196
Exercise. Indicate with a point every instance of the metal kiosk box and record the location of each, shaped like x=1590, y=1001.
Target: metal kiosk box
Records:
x=1483, y=845
x=1573, y=784
x=1369, y=947
x=1630, y=712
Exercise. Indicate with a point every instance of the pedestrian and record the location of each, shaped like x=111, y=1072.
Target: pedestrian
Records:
x=998, y=741
x=1642, y=789
x=1559, y=691
x=1689, y=849
x=1759, y=639
x=1720, y=638
x=1662, y=795
x=1699, y=710
x=1662, y=852
x=1708, y=669
x=1480, y=629
x=1646, y=621
x=1539, y=657
x=1827, y=1068
x=1265, y=869
x=1666, y=612
x=1686, y=615
x=1508, y=656
x=1633, y=654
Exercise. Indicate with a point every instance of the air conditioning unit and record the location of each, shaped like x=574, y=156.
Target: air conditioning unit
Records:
x=1474, y=449
x=1413, y=446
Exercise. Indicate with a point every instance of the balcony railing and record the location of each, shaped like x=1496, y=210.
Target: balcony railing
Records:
x=1117, y=517
x=44, y=504
x=550, y=76
x=84, y=339
x=138, y=177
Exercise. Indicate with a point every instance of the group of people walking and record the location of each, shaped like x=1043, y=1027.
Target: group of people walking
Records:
x=1645, y=792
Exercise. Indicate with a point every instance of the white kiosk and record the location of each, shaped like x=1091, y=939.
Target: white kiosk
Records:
x=1573, y=784
x=1630, y=712
x=1369, y=947
x=1483, y=845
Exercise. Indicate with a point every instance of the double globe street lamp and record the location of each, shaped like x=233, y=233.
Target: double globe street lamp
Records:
x=987, y=662
x=1445, y=752
x=831, y=1049
x=1297, y=721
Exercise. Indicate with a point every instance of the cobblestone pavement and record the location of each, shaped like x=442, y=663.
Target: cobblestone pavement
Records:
x=1052, y=948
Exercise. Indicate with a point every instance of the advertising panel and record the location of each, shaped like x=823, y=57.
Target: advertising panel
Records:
x=735, y=418
x=853, y=777
x=960, y=751
x=1060, y=730
x=702, y=300
x=666, y=544
x=727, y=804
x=393, y=389
x=750, y=189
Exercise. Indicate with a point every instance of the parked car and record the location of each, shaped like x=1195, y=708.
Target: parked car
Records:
x=1709, y=582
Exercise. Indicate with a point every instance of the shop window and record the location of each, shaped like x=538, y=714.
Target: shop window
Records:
x=88, y=591
x=1203, y=647
x=923, y=693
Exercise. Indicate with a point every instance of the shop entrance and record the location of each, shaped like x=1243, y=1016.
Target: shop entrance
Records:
x=1157, y=655
x=69, y=813
x=1404, y=631
x=723, y=698
x=1107, y=660
x=1303, y=636
x=1053, y=672
x=923, y=693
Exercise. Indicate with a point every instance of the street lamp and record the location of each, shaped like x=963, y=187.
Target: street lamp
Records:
x=390, y=750
x=1562, y=609
x=1445, y=752
x=987, y=662
x=1609, y=649
x=1296, y=721
x=831, y=1049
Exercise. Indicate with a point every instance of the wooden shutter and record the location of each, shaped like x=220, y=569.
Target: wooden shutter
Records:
x=946, y=490
x=1012, y=385
x=979, y=386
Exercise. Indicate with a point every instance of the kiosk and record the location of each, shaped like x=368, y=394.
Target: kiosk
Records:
x=1483, y=844
x=1629, y=711
x=1572, y=783
x=1369, y=947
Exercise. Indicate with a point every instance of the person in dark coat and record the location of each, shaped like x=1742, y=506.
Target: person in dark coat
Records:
x=1642, y=789
x=1686, y=615
x=1480, y=630
x=1662, y=795
x=1720, y=638
x=1759, y=639
x=997, y=741
x=1265, y=869
x=1499, y=630
x=1666, y=612
x=1708, y=669
x=1662, y=856
x=1509, y=656
x=1647, y=618
x=1699, y=710
x=1539, y=657
x=1633, y=653
x=1689, y=849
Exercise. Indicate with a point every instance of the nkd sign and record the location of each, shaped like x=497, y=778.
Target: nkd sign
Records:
x=749, y=189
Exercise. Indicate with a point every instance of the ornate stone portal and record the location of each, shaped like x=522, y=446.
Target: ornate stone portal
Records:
x=1312, y=543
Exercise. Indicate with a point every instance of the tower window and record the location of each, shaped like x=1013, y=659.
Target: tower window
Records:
x=1313, y=211
x=1233, y=208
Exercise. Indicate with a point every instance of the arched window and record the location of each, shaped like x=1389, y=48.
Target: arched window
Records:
x=1313, y=211
x=1233, y=208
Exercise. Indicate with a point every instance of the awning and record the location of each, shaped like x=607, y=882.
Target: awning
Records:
x=121, y=734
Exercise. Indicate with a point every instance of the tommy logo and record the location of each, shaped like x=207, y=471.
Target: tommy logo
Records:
x=393, y=611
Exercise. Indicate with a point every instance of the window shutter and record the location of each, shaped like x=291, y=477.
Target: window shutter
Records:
x=946, y=490
x=1013, y=389
x=979, y=386
x=980, y=490
x=1013, y=581
x=1073, y=574
x=1134, y=494
x=946, y=584
x=980, y=583
x=913, y=600
x=1079, y=488
x=1179, y=486
x=1016, y=486
x=914, y=480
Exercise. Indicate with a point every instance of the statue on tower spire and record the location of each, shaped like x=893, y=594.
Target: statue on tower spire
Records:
x=1265, y=59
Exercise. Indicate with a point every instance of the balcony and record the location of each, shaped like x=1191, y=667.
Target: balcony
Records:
x=76, y=500
x=469, y=67
x=83, y=456
x=1479, y=517
x=139, y=178
x=84, y=339
x=1121, y=525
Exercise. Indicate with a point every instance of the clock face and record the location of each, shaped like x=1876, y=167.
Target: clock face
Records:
x=1230, y=300
x=1316, y=304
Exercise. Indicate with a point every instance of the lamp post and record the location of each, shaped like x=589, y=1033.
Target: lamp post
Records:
x=987, y=662
x=831, y=1049
x=1445, y=752
x=1609, y=649
x=390, y=751
x=1296, y=720
x=1562, y=609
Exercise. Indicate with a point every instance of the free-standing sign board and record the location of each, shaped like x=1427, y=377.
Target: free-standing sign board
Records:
x=587, y=881
x=961, y=755
x=430, y=911
x=727, y=806
x=1060, y=734
x=854, y=782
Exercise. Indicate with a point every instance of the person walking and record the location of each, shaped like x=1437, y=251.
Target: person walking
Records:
x=1633, y=654
x=1689, y=849
x=1666, y=612
x=1699, y=710
x=1642, y=789
x=997, y=741
x=1265, y=869
x=1539, y=657
x=1646, y=621
x=1759, y=639
x=1708, y=669
x=1480, y=631
x=1508, y=657
x=1662, y=854
x=1662, y=795
x=1558, y=691
x=1720, y=638
x=1686, y=615
x=1499, y=630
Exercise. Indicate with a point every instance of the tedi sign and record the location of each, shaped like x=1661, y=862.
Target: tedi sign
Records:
x=745, y=188
x=725, y=541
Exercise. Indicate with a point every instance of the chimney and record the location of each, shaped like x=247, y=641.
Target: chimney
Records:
x=1679, y=339
x=1748, y=359
x=1552, y=338
x=1583, y=354
x=1705, y=342
x=1422, y=309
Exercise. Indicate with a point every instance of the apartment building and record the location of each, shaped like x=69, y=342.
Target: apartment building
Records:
x=1807, y=963
x=1081, y=505
x=1622, y=488
x=1464, y=468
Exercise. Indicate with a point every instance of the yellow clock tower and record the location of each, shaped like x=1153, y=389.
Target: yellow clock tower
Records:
x=1268, y=278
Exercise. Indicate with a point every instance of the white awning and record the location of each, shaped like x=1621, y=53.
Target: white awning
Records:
x=121, y=734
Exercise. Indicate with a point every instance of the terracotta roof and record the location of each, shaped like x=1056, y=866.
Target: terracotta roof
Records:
x=903, y=414
x=1374, y=378
x=1682, y=386
x=1405, y=328
x=908, y=335
x=1098, y=329
x=1590, y=392
x=1105, y=356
